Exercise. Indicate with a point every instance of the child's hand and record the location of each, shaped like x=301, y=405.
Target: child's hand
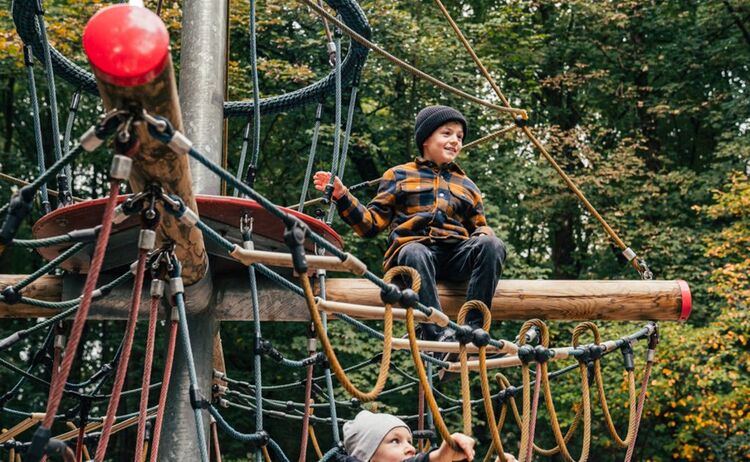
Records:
x=321, y=180
x=446, y=454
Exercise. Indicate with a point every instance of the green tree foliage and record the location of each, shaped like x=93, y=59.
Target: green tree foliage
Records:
x=643, y=104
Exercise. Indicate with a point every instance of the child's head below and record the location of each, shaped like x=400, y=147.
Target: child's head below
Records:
x=378, y=438
x=439, y=132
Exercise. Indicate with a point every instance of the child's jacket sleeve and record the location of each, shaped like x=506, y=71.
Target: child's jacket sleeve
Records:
x=377, y=216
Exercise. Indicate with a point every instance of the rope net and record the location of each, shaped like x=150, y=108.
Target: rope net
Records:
x=320, y=406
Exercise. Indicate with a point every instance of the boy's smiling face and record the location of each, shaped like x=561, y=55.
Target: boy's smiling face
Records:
x=443, y=146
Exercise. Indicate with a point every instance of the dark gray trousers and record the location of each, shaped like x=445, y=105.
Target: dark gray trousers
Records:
x=479, y=260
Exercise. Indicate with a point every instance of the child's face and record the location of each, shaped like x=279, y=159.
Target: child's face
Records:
x=443, y=146
x=396, y=446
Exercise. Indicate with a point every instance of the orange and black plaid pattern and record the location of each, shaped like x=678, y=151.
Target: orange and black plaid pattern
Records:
x=418, y=201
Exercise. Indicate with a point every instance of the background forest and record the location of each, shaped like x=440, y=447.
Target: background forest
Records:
x=644, y=103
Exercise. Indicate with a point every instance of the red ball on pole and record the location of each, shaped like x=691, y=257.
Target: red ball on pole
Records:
x=127, y=45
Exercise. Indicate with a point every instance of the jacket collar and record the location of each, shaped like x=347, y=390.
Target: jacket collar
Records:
x=453, y=167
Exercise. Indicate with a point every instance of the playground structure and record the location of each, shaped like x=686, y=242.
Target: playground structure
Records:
x=144, y=116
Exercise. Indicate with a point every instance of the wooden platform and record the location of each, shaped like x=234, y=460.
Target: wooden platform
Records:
x=222, y=213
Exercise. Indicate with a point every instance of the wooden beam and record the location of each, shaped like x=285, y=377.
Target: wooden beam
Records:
x=628, y=300
x=514, y=299
x=47, y=288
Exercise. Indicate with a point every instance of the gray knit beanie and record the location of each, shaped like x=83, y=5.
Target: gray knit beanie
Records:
x=431, y=118
x=363, y=435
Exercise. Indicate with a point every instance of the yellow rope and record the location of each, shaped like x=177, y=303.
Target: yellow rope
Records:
x=20, y=182
x=419, y=365
x=266, y=456
x=145, y=451
x=314, y=441
x=526, y=377
x=585, y=402
x=533, y=138
x=424, y=381
x=489, y=137
x=465, y=389
x=330, y=353
x=17, y=429
x=632, y=398
x=408, y=67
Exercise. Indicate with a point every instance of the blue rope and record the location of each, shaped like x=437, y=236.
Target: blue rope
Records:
x=185, y=336
x=37, y=127
x=345, y=148
x=327, y=372
x=224, y=425
x=310, y=158
x=72, y=112
x=51, y=85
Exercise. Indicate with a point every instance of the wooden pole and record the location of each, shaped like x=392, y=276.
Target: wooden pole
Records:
x=628, y=300
x=514, y=299
x=153, y=162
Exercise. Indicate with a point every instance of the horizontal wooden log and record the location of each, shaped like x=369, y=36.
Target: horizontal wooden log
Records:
x=517, y=299
x=47, y=288
x=514, y=299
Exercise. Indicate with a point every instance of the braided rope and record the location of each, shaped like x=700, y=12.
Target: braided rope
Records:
x=424, y=380
x=168, y=360
x=534, y=140
x=349, y=10
x=153, y=315
x=57, y=387
x=122, y=367
x=331, y=354
x=465, y=391
x=526, y=427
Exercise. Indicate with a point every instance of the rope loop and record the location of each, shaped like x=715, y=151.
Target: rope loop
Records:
x=411, y=273
x=331, y=354
x=539, y=324
x=479, y=306
x=581, y=328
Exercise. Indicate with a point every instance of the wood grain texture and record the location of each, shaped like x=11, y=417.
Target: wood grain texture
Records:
x=157, y=163
x=514, y=299
x=547, y=299
x=47, y=288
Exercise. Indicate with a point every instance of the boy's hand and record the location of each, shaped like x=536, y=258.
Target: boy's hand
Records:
x=446, y=454
x=321, y=180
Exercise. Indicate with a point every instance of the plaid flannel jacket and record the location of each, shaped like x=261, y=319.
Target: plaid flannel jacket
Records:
x=420, y=202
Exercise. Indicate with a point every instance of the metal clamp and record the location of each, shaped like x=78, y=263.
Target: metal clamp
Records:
x=121, y=166
x=146, y=239
x=157, y=288
x=180, y=143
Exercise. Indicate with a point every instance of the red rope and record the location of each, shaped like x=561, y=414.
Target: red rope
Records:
x=122, y=368
x=420, y=418
x=147, y=365
x=58, y=382
x=163, y=394
x=215, y=433
x=534, y=408
x=639, y=410
x=306, y=418
x=79, y=441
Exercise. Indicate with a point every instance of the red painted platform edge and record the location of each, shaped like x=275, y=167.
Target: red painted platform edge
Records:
x=315, y=224
x=687, y=300
x=201, y=199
